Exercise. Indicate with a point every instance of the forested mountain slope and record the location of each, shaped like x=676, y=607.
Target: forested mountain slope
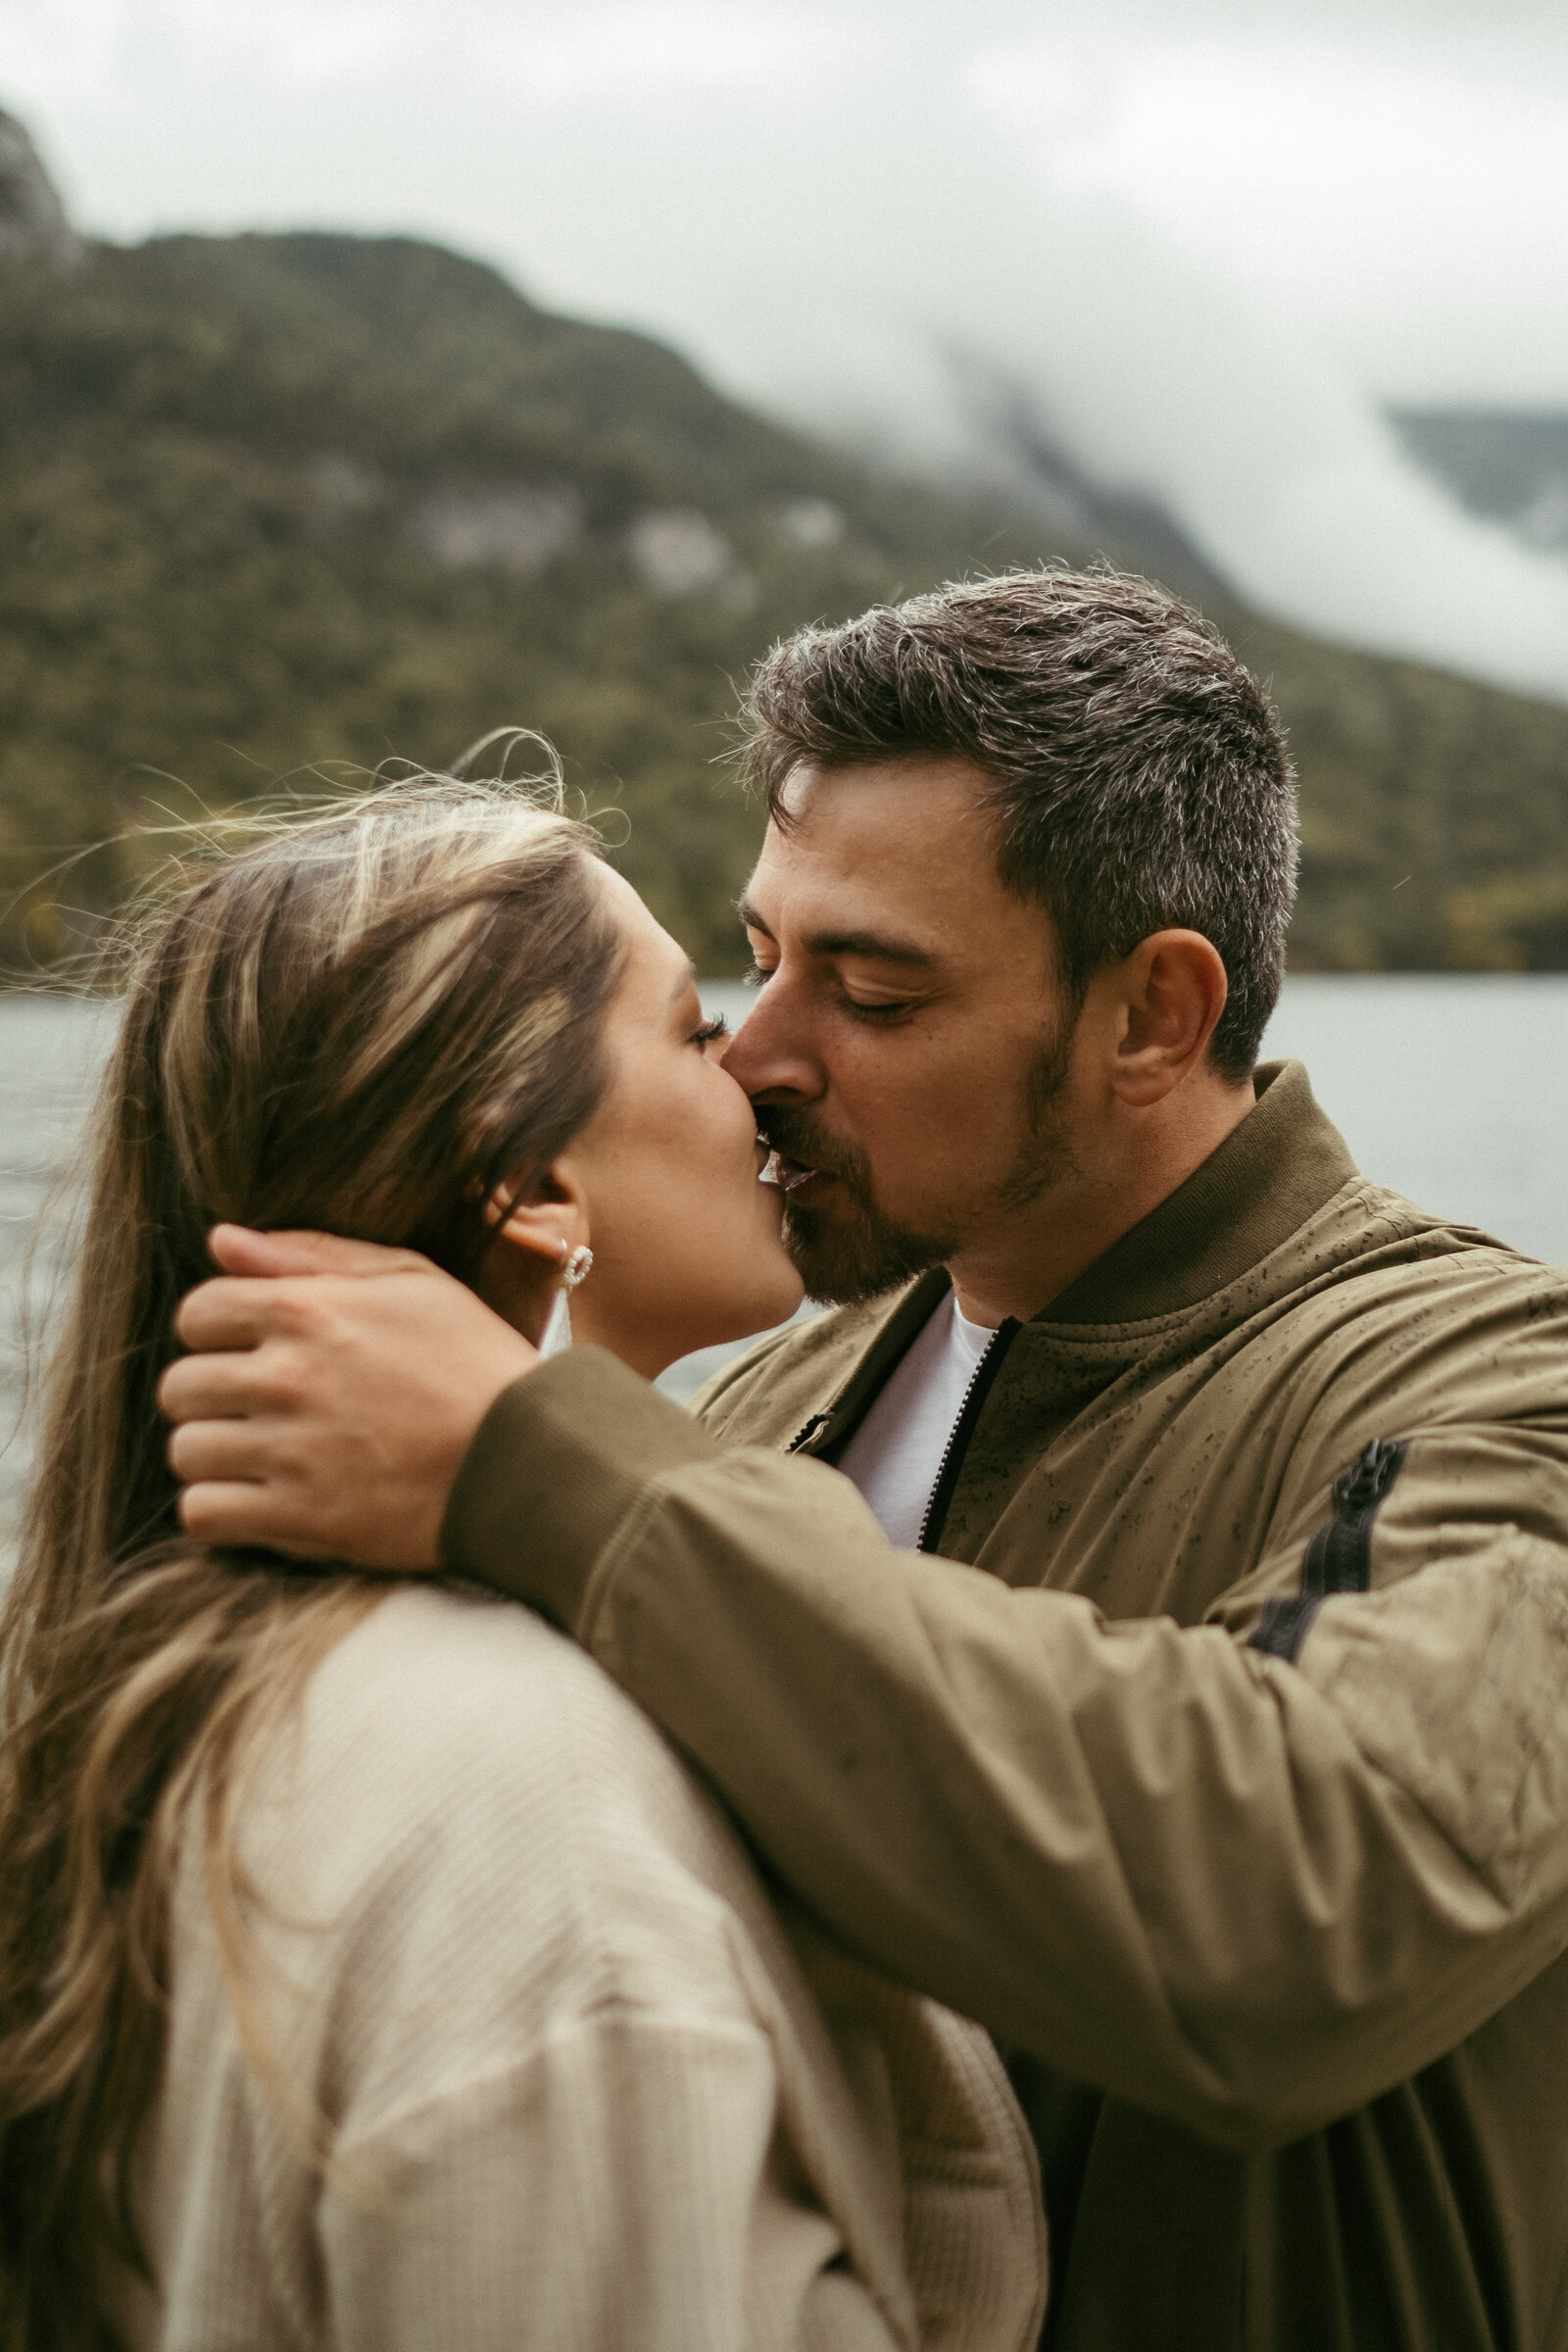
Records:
x=275, y=503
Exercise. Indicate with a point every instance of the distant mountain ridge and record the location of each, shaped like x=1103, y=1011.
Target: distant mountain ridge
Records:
x=274, y=501
x=276, y=504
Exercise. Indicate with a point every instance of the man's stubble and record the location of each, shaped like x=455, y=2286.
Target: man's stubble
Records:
x=844, y=1261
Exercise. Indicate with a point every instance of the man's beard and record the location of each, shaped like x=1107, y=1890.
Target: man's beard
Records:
x=845, y=1261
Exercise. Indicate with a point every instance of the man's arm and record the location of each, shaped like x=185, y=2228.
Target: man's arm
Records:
x=1251, y=1895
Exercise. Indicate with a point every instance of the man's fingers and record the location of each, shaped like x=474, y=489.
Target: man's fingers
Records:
x=216, y=1388
x=228, y=1312
x=239, y=1250
x=234, y=1310
x=336, y=1409
x=241, y=1513
x=201, y=1451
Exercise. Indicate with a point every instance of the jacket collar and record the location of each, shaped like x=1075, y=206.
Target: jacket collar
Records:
x=1268, y=1178
x=1269, y=1175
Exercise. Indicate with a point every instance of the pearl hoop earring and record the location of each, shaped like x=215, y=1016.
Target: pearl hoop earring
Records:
x=576, y=1264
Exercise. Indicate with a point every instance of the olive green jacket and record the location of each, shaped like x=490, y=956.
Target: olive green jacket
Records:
x=1225, y=1777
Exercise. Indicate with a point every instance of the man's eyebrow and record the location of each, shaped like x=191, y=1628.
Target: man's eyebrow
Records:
x=874, y=944
x=878, y=945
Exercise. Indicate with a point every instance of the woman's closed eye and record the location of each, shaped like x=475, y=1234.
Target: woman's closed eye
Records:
x=709, y=1032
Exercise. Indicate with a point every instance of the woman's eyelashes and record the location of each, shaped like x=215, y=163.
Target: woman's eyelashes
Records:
x=708, y=1033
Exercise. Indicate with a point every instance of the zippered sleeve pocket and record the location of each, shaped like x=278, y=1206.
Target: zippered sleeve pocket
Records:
x=1337, y=1556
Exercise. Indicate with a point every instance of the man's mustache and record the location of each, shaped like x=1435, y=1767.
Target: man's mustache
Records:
x=796, y=1135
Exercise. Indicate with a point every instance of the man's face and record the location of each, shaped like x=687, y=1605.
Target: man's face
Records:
x=909, y=1057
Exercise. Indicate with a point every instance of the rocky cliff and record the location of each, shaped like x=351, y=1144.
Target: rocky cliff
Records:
x=33, y=220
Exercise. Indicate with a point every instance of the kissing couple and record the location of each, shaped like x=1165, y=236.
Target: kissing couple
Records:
x=1071, y=1739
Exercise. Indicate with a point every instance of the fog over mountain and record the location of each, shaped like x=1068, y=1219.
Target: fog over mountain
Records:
x=1511, y=464
x=1083, y=334
x=1181, y=254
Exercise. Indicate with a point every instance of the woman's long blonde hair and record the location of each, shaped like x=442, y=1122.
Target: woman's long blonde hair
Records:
x=364, y=1022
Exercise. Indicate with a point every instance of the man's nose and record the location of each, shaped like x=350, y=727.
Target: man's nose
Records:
x=771, y=1056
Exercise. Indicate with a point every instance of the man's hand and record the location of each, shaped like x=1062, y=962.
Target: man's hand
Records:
x=333, y=1391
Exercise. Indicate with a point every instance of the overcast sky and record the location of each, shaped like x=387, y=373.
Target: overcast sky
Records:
x=1205, y=239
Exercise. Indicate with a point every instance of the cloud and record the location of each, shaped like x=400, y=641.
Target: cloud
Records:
x=646, y=49
x=1200, y=237
x=1380, y=189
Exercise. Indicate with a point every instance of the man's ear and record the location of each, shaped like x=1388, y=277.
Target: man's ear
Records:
x=1171, y=990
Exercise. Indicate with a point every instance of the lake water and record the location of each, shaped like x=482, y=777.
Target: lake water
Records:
x=1454, y=1090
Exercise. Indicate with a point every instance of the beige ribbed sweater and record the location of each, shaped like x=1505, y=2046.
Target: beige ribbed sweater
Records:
x=586, y=2094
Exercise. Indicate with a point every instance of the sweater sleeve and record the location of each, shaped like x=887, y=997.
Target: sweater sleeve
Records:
x=1252, y=1895
x=617, y=2190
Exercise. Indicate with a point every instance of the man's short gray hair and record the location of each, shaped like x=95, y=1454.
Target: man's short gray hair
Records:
x=1139, y=775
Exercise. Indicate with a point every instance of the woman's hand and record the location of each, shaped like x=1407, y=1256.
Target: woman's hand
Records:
x=331, y=1391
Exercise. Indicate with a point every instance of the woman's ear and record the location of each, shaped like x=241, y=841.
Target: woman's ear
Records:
x=549, y=1217
x=532, y=1236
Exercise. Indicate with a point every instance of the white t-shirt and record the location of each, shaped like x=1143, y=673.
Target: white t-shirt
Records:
x=896, y=1453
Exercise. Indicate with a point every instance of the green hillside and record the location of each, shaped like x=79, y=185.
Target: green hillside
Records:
x=1434, y=812
x=275, y=503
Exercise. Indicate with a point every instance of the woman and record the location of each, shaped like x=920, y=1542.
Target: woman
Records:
x=371, y=1973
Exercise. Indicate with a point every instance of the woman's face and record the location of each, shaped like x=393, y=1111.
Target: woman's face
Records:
x=685, y=1238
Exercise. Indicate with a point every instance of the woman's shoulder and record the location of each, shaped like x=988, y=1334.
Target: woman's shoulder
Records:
x=456, y=1708
x=459, y=1675
x=457, y=1759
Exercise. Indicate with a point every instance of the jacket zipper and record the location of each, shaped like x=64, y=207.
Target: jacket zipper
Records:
x=1339, y=1558
x=1339, y=1553
x=958, y=1445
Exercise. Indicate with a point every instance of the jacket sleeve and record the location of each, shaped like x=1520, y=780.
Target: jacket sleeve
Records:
x=1249, y=1894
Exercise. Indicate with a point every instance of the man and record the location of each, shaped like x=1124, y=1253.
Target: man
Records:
x=1219, y=1764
